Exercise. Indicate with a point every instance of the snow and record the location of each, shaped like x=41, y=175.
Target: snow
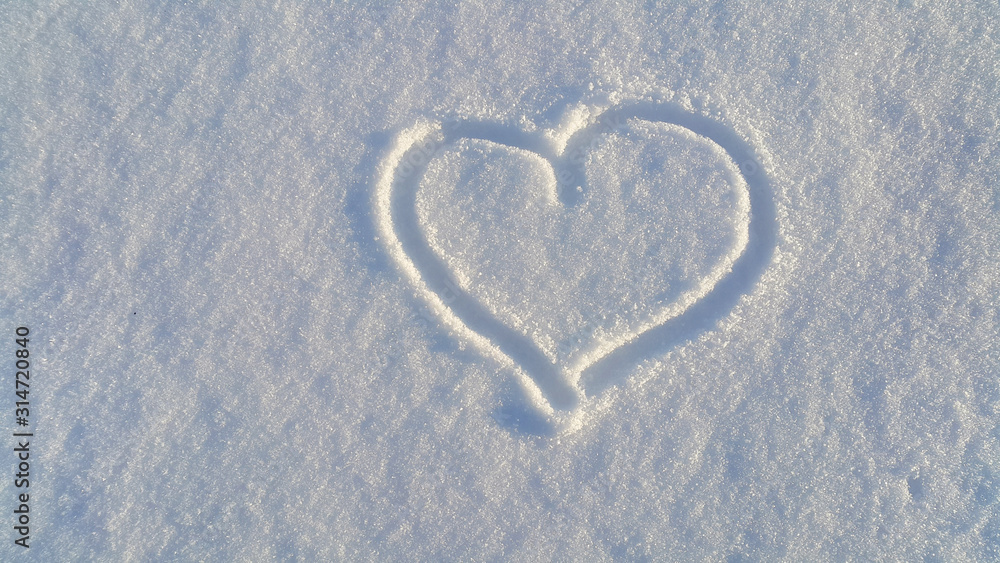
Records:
x=574, y=281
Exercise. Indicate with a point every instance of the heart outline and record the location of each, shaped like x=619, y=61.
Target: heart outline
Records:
x=395, y=202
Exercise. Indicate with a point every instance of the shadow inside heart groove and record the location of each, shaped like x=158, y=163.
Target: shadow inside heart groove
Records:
x=409, y=244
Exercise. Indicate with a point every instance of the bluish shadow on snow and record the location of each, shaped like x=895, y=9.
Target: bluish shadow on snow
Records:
x=523, y=419
x=615, y=367
x=517, y=415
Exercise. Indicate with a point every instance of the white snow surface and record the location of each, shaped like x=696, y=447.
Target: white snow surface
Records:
x=575, y=281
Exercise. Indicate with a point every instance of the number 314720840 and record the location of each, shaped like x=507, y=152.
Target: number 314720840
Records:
x=22, y=363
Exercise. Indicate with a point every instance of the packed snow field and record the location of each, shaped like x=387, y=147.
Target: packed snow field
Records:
x=581, y=281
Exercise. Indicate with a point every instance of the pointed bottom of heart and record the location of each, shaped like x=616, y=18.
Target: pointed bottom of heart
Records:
x=524, y=412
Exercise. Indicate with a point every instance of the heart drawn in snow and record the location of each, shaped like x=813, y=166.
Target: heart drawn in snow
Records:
x=578, y=253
